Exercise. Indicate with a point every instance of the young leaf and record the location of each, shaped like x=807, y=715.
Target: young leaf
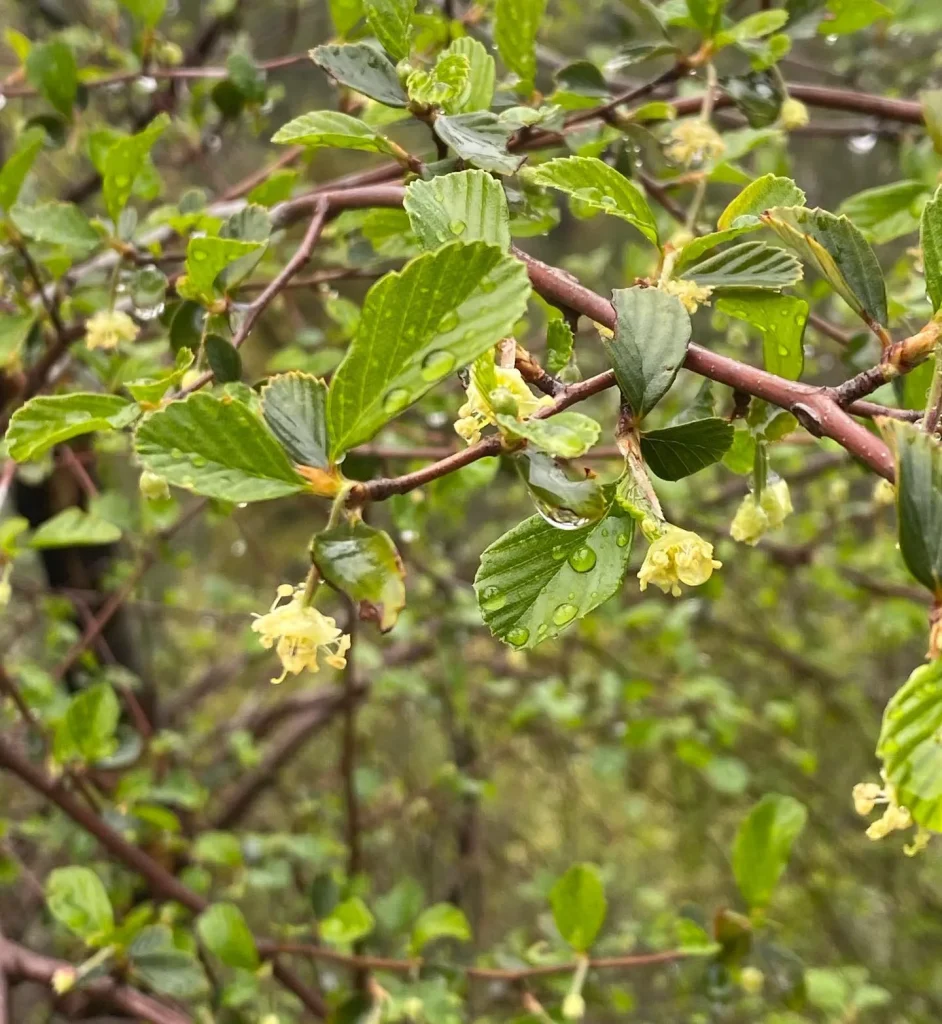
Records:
x=17, y=166
x=391, y=22
x=295, y=408
x=362, y=67
x=345, y=14
x=47, y=420
x=480, y=138
x=149, y=390
x=755, y=26
x=931, y=239
x=14, y=330
x=675, y=452
x=56, y=223
x=694, y=249
x=886, y=212
x=852, y=15
x=447, y=85
x=125, y=161
x=931, y=102
x=918, y=500
x=763, y=845
x=349, y=921
x=206, y=259
x=148, y=12
x=224, y=360
x=73, y=527
x=559, y=343
x=537, y=579
x=363, y=563
x=747, y=265
x=418, y=325
x=781, y=319
x=441, y=921
x=839, y=252
x=51, y=68
x=600, y=187
x=328, y=128
x=482, y=76
x=222, y=929
x=87, y=731
x=579, y=905
x=568, y=435
x=516, y=23
x=217, y=447
x=469, y=205
x=909, y=746
x=652, y=331
x=77, y=899
x=172, y=972
x=758, y=196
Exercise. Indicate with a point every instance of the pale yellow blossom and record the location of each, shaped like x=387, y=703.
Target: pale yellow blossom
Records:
x=299, y=632
x=754, y=519
x=794, y=114
x=64, y=979
x=153, y=486
x=677, y=556
x=895, y=817
x=694, y=142
x=478, y=411
x=108, y=327
x=691, y=295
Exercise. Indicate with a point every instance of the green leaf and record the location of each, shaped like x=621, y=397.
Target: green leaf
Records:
x=483, y=73
x=886, y=212
x=839, y=252
x=362, y=67
x=852, y=15
x=418, y=325
x=694, y=249
x=480, y=138
x=781, y=320
x=217, y=447
x=87, y=731
x=164, y=968
x=446, y=86
x=295, y=408
x=678, y=451
x=14, y=330
x=219, y=848
x=516, y=24
x=391, y=22
x=441, y=921
x=909, y=745
x=537, y=579
x=224, y=360
x=51, y=68
x=363, y=563
x=148, y=12
x=223, y=931
x=125, y=161
x=468, y=205
x=579, y=905
x=931, y=102
x=77, y=899
x=761, y=195
x=349, y=921
x=345, y=14
x=598, y=187
x=328, y=128
x=764, y=844
x=73, y=527
x=18, y=164
x=755, y=26
x=47, y=420
x=652, y=331
x=567, y=434
x=930, y=236
x=56, y=223
x=150, y=390
x=559, y=343
x=206, y=259
x=747, y=265
x=918, y=500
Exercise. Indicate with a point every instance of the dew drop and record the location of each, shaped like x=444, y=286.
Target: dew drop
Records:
x=149, y=312
x=564, y=613
x=561, y=518
x=200, y=256
x=457, y=227
x=558, y=552
x=448, y=322
x=122, y=181
x=436, y=364
x=492, y=600
x=783, y=350
x=862, y=144
x=518, y=636
x=176, y=453
x=831, y=39
x=622, y=540
x=395, y=401
x=147, y=84
x=488, y=285
x=198, y=461
x=582, y=559
x=3, y=101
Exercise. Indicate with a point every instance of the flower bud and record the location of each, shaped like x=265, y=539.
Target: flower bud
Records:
x=63, y=979
x=153, y=486
x=794, y=114
x=574, y=1006
x=751, y=980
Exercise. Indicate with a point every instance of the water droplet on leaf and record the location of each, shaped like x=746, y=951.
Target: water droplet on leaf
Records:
x=492, y=600
x=518, y=636
x=582, y=559
x=395, y=401
x=436, y=364
x=564, y=613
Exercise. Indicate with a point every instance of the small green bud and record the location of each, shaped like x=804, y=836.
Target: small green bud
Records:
x=751, y=980
x=574, y=1006
x=504, y=401
x=153, y=486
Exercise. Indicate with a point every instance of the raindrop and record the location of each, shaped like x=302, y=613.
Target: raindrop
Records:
x=409, y=536
x=564, y=613
x=436, y=364
x=862, y=144
x=176, y=453
x=3, y=101
x=558, y=552
x=437, y=418
x=831, y=39
x=147, y=84
x=122, y=181
x=518, y=636
x=239, y=547
x=492, y=600
x=149, y=312
x=198, y=461
x=213, y=143
x=582, y=559
x=561, y=518
x=783, y=350
x=488, y=285
x=622, y=540
x=395, y=401
x=200, y=255
x=448, y=322
x=457, y=227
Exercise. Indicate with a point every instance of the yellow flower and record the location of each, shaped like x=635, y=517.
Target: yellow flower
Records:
x=301, y=632
x=690, y=294
x=63, y=979
x=754, y=519
x=574, y=1006
x=694, y=142
x=108, y=327
x=794, y=114
x=884, y=493
x=153, y=486
x=677, y=556
x=868, y=795
x=477, y=412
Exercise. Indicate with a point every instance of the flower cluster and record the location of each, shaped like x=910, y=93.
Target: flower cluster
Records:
x=301, y=632
x=690, y=294
x=694, y=142
x=477, y=412
x=677, y=556
x=868, y=795
x=754, y=519
x=108, y=327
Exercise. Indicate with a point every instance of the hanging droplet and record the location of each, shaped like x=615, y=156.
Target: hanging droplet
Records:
x=562, y=494
x=518, y=636
x=583, y=559
x=862, y=144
